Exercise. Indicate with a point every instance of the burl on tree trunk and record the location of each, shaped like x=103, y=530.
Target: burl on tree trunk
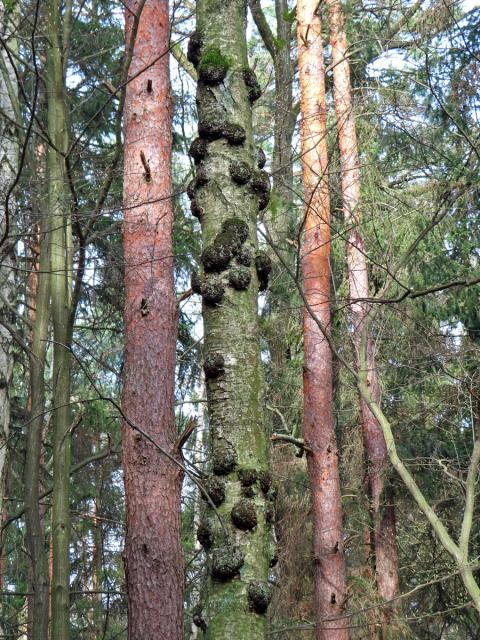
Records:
x=227, y=193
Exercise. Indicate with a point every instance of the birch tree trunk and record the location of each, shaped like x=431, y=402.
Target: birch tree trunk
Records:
x=319, y=432
x=228, y=192
x=383, y=542
x=153, y=551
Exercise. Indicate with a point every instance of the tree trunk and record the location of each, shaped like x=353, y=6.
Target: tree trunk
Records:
x=9, y=149
x=97, y=555
x=35, y=535
x=61, y=301
x=381, y=500
x=228, y=192
x=319, y=432
x=291, y=599
x=153, y=552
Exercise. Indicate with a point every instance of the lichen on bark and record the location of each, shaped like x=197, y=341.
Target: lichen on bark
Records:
x=238, y=557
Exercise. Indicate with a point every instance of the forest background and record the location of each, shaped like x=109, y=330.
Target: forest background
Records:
x=415, y=70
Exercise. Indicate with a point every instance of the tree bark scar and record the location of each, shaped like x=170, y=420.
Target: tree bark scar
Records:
x=144, y=310
x=146, y=165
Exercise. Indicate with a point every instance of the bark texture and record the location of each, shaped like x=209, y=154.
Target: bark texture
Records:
x=229, y=189
x=319, y=432
x=35, y=535
x=61, y=304
x=383, y=535
x=153, y=552
x=9, y=149
x=291, y=598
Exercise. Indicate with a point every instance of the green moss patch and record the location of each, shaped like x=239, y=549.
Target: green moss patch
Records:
x=213, y=66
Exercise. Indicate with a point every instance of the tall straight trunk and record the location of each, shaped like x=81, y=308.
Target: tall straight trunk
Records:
x=284, y=117
x=283, y=223
x=381, y=499
x=9, y=149
x=153, y=552
x=198, y=561
x=97, y=555
x=319, y=432
x=228, y=192
x=35, y=535
x=288, y=601
x=61, y=302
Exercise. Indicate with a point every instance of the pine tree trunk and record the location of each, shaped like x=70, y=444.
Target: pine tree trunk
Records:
x=153, y=552
x=381, y=500
x=228, y=191
x=319, y=432
x=292, y=507
x=61, y=301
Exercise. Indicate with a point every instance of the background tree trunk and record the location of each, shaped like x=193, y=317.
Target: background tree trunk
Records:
x=35, y=534
x=319, y=432
x=153, y=551
x=383, y=539
x=9, y=150
x=61, y=303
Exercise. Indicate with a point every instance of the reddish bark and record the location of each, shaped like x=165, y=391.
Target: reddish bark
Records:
x=382, y=510
x=153, y=552
x=319, y=432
